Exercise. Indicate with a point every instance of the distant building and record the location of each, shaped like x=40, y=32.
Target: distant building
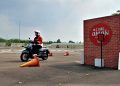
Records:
x=106, y=29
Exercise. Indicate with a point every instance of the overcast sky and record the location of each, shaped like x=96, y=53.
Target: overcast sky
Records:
x=55, y=19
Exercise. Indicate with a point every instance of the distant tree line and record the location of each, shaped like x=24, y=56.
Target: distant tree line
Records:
x=117, y=12
x=13, y=40
x=50, y=42
x=9, y=41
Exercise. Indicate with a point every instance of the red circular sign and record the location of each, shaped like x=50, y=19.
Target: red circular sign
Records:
x=98, y=30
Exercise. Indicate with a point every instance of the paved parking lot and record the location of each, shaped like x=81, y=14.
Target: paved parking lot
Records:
x=58, y=70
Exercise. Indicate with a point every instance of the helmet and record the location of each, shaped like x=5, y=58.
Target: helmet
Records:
x=37, y=31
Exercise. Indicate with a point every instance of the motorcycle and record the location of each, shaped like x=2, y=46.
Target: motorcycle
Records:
x=27, y=53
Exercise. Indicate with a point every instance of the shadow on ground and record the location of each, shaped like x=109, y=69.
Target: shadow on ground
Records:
x=78, y=68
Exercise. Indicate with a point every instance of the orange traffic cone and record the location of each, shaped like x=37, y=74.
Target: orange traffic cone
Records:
x=66, y=54
x=33, y=63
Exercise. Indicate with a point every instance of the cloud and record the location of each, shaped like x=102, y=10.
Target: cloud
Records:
x=55, y=18
x=5, y=23
x=7, y=27
x=10, y=29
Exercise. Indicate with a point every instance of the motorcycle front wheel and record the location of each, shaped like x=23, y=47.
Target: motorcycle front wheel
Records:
x=24, y=57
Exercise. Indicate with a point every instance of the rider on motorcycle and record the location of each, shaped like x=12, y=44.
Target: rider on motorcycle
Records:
x=38, y=42
x=35, y=47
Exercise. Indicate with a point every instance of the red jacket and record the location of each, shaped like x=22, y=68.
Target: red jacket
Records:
x=38, y=40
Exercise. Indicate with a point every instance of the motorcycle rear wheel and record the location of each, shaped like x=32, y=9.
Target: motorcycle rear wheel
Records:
x=45, y=58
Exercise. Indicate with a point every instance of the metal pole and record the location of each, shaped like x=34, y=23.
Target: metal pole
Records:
x=19, y=31
x=101, y=54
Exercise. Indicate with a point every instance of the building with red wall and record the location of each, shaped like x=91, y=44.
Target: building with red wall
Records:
x=110, y=27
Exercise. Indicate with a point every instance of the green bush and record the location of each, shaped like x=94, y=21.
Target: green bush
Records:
x=8, y=43
x=2, y=40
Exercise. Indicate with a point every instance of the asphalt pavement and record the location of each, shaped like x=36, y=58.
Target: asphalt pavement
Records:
x=58, y=70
